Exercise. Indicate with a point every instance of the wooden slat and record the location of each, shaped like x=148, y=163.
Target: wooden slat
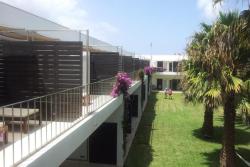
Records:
x=103, y=65
x=34, y=68
x=128, y=63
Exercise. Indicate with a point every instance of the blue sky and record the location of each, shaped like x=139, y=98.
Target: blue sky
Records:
x=133, y=24
x=167, y=24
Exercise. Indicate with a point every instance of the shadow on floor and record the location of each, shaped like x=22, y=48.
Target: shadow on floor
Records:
x=141, y=152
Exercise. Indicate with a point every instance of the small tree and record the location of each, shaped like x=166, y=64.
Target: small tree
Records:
x=198, y=85
x=227, y=55
x=148, y=71
x=141, y=76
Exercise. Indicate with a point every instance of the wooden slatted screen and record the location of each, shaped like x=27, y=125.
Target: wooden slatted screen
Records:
x=2, y=90
x=128, y=64
x=103, y=65
x=35, y=68
x=136, y=63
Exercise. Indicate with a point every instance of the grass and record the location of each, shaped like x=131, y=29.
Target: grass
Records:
x=169, y=136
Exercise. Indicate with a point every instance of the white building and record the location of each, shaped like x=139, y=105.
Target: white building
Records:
x=168, y=73
x=69, y=141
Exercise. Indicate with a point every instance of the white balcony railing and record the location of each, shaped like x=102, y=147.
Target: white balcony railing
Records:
x=29, y=125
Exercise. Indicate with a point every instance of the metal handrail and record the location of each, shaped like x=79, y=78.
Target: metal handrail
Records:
x=51, y=94
x=51, y=115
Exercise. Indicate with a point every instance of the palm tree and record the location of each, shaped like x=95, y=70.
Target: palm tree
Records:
x=197, y=87
x=198, y=84
x=216, y=70
x=205, y=87
x=220, y=1
x=226, y=55
x=244, y=102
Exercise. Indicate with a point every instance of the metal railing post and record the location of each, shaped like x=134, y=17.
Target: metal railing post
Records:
x=57, y=113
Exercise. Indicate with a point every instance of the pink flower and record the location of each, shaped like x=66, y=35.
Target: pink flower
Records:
x=148, y=70
x=123, y=82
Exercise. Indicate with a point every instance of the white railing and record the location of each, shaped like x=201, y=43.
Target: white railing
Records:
x=27, y=126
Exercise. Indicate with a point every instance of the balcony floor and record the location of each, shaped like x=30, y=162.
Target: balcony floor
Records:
x=25, y=144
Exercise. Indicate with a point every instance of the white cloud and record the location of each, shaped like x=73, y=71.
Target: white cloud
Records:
x=209, y=10
x=68, y=13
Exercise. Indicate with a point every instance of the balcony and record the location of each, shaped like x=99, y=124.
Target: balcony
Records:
x=45, y=107
x=164, y=73
x=45, y=122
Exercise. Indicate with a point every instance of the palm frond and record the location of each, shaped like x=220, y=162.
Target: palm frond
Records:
x=213, y=93
x=234, y=85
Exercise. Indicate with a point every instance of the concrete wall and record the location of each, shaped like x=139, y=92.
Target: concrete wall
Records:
x=81, y=153
x=61, y=148
x=73, y=143
x=115, y=117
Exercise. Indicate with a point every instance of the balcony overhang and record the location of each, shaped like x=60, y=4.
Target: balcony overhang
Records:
x=54, y=153
x=168, y=75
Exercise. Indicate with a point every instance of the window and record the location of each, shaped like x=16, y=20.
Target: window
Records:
x=160, y=64
x=175, y=65
x=170, y=66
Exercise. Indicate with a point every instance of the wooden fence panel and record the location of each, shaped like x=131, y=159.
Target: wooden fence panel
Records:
x=103, y=65
x=128, y=64
x=34, y=68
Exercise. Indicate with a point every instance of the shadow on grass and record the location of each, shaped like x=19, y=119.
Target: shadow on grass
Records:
x=242, y=136
x=141, y=152
x=217, y=138
x=238, y=121
x=245, y=153
x=212, y=158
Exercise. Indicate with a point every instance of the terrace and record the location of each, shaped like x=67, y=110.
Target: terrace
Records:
x=51, y=88
x=51, y=116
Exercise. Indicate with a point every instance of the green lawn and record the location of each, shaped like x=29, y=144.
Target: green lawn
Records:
x=169, y=136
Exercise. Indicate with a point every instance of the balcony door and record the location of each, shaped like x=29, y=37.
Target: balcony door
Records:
x=175, y=66
x=159, y=84
x=174, y=84
x=160, y=64
x=103, y=144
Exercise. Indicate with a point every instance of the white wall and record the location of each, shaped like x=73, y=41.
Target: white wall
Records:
x=62, y=147
x=72, y=143
x=117, y=117
x=81, y=153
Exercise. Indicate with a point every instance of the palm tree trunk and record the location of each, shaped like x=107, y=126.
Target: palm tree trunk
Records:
x=227, y=155
x=207, y=128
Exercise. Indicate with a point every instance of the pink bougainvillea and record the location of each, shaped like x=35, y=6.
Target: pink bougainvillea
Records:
x=123, y=82
x=148, y=70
